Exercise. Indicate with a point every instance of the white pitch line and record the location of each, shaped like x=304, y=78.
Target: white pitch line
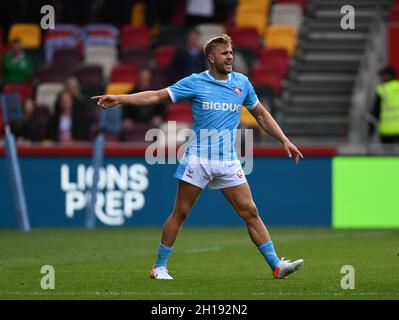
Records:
x=199, y=250
x=133, y=293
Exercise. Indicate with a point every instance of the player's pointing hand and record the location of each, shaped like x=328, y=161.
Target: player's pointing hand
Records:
x=292, y=151
x=106, y=101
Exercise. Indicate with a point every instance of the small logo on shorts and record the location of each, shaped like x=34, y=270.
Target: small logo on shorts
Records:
x=237, y=91
x=189, y=172
x=240, y=173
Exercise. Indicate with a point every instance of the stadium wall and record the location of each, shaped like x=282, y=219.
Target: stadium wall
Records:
x=323, y=190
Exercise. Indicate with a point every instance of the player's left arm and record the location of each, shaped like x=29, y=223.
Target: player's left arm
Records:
x=267, y=123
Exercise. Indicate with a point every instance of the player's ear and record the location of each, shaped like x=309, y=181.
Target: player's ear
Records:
x=211, y=59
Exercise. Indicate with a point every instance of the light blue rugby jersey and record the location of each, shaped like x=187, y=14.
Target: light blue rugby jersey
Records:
x=216, y=106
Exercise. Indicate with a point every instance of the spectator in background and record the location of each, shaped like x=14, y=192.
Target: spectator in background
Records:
x=68, y=123
x=387, y=106
x=80, y=102
x=152, y=115
x=27, y=130
x=17, y=65
x=188, y=60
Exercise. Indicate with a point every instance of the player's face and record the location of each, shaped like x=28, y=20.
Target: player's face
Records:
x=222, y=58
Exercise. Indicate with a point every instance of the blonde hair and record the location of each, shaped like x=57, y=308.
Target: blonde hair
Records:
x=213, y=42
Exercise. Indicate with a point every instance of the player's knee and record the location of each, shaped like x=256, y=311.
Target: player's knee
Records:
x=250, y=212
x=181, y=212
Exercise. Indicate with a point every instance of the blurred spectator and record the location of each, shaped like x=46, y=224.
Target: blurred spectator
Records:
x=17, y=65
x=152, y=115
x=80, y=102
x=387, y=106
x=188, y=60
x=27, y=130
x=68, y=122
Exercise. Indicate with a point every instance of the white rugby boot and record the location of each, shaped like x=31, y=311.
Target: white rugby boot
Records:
x=160, y=273
x=286, y=267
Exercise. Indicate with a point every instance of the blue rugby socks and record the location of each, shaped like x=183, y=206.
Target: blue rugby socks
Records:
x=163, y=255
x=267, y=250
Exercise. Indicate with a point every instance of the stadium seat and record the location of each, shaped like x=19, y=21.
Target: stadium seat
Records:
x=105, y=56
x=56, y=40
x=101, y=35
x=124, y=73
x=25, y=91
x=47, y=94
x=69, y=58
x=119, y=88
x=209, y=30
x=30, y=34
x=134, y=37
x=90, y=75
x=287, y=14
x=277, y=58
x=245, y=37
x=260, y=75
x=253, y=20
x=139, y=56
x=52, y=73
x=253, y=14
x=164, y=55
x=281, y=36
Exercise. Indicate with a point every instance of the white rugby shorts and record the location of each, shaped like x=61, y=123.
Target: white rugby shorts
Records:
x=217, y=174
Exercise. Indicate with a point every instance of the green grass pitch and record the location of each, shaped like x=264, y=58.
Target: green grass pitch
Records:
x=207, y=263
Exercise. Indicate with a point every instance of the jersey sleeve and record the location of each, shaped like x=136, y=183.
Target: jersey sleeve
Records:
x=184, y=89
x=251, y=100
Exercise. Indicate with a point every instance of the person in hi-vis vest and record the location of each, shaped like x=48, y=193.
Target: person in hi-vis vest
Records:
x=387, y=106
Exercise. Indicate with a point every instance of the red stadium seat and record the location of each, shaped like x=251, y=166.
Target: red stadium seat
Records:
x=245, y=37
x=67, y=58
x=139, y=56
x=265, y=75
x=179, y=112
x=124, y=73
x=52, y=73
x=135, y=37
x=24, y=90
x=164, y=55
x=277, y=58
x=90, y=75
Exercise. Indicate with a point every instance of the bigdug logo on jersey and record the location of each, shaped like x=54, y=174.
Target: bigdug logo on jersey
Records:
x=221, y=106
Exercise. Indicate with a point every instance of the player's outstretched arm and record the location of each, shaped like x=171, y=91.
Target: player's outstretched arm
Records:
x=267, y=123
x=144, y=98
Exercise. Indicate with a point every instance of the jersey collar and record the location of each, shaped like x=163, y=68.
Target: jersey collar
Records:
x=213, y=78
